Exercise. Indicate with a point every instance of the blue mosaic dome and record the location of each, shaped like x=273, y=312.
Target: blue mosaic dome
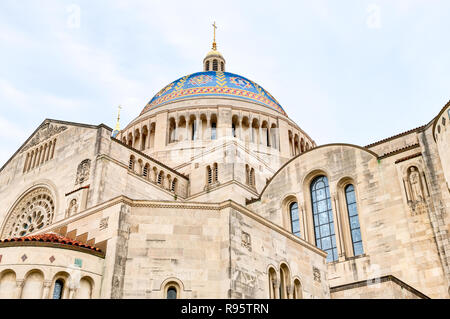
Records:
x=214, y=84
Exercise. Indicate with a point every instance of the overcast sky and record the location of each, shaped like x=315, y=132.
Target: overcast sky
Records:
x=351, y=71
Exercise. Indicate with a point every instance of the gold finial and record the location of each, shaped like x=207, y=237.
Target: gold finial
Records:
x=118, y=119
x=214, y=47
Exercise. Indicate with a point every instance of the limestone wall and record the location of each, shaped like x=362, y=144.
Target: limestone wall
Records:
x=398, y=232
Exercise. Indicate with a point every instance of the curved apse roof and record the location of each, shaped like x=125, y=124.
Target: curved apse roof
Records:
x=214, y=84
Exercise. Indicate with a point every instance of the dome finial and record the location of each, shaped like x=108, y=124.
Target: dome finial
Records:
x=117, y=129
x=214, y=46
x=214, y=61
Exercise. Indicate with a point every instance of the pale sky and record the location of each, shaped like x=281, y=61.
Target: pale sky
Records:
x=350, y=71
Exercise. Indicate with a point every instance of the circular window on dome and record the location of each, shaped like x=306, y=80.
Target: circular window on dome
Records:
x=34, y=211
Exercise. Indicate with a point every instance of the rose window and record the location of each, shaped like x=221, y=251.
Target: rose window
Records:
x=32, y=213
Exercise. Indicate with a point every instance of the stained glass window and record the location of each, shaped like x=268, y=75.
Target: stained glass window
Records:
x=323, y=217
x=57, y=291
x=355, y=229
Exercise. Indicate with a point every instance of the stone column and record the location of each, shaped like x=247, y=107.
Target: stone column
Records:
x=208, y=127
x=71, y=292
x=45, y=292
x=19, y=286
x=338, y=227
x=276, y=288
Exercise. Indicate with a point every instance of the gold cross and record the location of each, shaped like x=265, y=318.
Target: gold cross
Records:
x=118, y=115
x=215, y=27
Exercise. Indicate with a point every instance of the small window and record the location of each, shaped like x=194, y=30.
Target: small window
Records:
x=145, y=172
x=443, y=121
x=233, y=130
x=295, y=219
x=209, y=172
x=207, y=65
x=58, y=290
x=222, y=67
x=174, y=185
x=216, y=172
x=215, y=65
x=172, y=293
x=213, y=130
x=439, y=129
x=131, y=163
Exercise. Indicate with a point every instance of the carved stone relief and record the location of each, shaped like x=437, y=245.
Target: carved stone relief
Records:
x=46, y=131
x=83, y=171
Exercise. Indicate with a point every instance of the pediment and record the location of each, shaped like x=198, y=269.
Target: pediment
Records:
x=46, y=131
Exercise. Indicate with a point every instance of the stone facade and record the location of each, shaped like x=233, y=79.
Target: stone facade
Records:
x=201, y=196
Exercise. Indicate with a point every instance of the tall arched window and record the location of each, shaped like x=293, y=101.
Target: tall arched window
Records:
x=297, y=293
x=215, y=65
x=58, y=290
x=194, y=130
x=213, y=130
x=323, y=217
x=207, y=66
x=355, y=228
x=295, y=219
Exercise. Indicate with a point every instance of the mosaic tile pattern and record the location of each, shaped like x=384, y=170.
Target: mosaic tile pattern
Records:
x=213, y=83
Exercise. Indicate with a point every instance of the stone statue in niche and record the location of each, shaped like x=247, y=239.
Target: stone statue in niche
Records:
x=416, y=189
x=73, y=208
x=83, y=171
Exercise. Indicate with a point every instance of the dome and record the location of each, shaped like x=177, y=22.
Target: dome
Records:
x=214, y=84
x=214, y=53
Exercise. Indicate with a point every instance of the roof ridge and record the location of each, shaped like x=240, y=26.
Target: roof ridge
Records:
x=53, y=238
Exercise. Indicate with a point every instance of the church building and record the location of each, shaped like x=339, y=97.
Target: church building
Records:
x=212, y=191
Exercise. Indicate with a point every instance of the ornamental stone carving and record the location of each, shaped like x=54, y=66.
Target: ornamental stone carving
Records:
x=33, y=212
x=46, y=131
x=83, y=171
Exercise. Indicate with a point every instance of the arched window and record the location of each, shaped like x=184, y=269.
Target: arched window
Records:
x=207, y=66
x=172, y=293
x=194, y=130
x=213, y=130
x=323, y=217
x=247, y=175
x=215, y=65
x=272, y=283
x=252, y=177
x=222, y=67
x=297, y=289
x=209, y=174
x=172, y=290
x=174, y=185
x=160, y=178
x=58, y=290
x=284, y=281
x=216, y=173
x=145, y=171
x=131, y=163
x=295, y=219
x=355, y=228
x=233, y=130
